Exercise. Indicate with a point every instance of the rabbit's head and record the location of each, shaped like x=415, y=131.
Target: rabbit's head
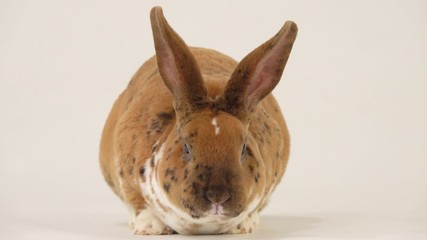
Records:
x=210, y=166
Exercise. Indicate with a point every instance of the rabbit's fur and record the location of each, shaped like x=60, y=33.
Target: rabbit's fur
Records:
x=196, y=143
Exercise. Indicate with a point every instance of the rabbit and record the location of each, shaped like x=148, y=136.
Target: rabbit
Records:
x=196, y=143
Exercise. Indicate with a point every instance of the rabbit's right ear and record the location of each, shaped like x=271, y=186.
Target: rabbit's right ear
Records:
x=177, y=66
x=259, y=72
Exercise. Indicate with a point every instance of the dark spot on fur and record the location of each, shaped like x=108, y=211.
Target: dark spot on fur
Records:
x=195, y=188
x=197, y=166
x=133, y=160
x=256, y=179
x=166, y=186
x=185, y=173
x=251, y=169
x=152, y=162
x=165, y=116
x=130, y=170
x=175, y=179
x=277, y=155
x=142, y=171
x=170, y=172
x=194, y=134
x=121, y=173
x=201, y=177
x=239, y=226
x=158, y=124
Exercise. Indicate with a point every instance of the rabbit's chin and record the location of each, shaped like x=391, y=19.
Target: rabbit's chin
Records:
x=213, y=221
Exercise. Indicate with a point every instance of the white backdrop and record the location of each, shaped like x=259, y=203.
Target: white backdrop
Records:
x=354, y=94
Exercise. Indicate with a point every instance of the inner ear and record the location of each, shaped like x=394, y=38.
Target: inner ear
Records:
x=259, y=72
x=267, y=74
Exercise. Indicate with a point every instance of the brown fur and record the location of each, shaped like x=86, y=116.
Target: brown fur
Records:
x=172, y=99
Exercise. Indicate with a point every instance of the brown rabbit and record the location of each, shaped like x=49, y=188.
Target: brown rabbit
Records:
x=196, y=143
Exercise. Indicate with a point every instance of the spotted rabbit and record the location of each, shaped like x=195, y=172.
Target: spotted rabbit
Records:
x=196, y=143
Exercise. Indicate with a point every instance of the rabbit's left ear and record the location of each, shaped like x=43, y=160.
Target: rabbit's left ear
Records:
x=259, y=72
x=177, y=66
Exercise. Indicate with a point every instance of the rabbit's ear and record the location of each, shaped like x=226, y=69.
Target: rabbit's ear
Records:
x=177, y=66
x=259, y=72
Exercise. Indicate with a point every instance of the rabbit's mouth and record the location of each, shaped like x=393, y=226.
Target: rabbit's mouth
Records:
x=217, y=211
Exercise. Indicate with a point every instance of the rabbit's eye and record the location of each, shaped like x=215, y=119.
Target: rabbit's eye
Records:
x=186, y=149
x=243, y=151
x=187, y=152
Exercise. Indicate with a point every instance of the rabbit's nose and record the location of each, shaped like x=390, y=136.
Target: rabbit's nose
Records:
x=218, y=195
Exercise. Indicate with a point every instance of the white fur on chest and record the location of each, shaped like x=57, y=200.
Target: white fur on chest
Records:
x=176, y=218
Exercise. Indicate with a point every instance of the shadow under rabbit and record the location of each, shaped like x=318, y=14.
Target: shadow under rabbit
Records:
x=111, y=226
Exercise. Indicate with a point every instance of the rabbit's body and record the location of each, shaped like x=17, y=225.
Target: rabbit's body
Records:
x=143, y=118
x=172, y=146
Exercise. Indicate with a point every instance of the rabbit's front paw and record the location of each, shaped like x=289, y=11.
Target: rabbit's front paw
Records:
x=246, y=226
x=147, y=223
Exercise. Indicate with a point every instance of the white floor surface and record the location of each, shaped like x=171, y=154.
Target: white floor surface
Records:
x=299, y=226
